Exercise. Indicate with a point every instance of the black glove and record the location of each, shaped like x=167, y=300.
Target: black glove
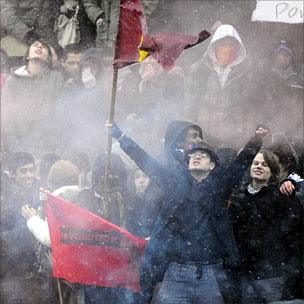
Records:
x=116, y=132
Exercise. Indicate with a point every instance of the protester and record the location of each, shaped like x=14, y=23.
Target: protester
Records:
x=81, y=110
x=281, y=91
x=62, y=181
x=264, y=256
x=110, y=204
x=46, y=162
x=70, y=61
x=21, y=280
x=28, y=102
x=143, y=207
x=217, y=86
x=293, y=186
x=28, y=21
x=177, y=229
x=160, y=93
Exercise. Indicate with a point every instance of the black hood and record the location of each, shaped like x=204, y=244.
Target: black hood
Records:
x=174, y=130
x=117, y=168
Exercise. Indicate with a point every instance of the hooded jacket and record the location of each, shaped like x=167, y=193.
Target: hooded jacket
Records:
x=174, y=131
x=193, y=224
x=217, y=96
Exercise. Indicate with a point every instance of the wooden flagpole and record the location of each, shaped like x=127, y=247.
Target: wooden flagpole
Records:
x=109, y=135
x=59, y=291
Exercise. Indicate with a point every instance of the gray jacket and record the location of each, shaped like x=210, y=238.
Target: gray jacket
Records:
x=96, y=9
x=217, y=96
x=19, y=17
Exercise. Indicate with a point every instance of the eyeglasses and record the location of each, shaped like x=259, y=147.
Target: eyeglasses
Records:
x=199, y=155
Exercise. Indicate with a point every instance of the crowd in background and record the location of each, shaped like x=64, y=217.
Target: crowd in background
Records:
x=54, y=108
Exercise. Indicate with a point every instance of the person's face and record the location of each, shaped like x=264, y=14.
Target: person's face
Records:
x=282, y=60
x=141, y=181
x=193, y=136
x=72, y=65
x=201, y=161
x=25, y=175
x=226, y=51
x=38, y=51
x=259, y=169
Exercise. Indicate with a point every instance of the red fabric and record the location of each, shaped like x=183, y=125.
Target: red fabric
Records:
x=166, y=47
x=163, y=47
x=87, y=249
x=131, y=27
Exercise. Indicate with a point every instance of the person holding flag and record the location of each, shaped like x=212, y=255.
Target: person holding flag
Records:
x=192, y=235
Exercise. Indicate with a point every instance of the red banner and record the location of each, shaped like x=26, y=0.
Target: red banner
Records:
x=89, y=250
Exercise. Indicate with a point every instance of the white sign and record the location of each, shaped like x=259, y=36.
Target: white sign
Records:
x=279, y=11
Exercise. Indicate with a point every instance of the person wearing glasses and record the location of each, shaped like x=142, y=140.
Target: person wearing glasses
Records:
x=192, y=236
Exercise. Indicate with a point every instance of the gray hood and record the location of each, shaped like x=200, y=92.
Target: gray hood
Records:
x=223, y=31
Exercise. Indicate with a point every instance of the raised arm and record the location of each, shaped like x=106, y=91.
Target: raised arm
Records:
x=144, y=161
x=237, y=169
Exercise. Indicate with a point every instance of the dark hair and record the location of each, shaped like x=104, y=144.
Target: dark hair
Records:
x=117, y=168
x=50, y=58
x=71, y=49
x=273, y=163
x=19, y=159
x=183, y=135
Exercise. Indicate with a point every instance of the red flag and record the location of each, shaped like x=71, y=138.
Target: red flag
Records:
x=131, y=28
x=166, y=47
x=133, y=44
x=87, y=249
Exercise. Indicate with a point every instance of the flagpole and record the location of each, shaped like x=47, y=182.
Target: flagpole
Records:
x=109, y=134
x=59, y=291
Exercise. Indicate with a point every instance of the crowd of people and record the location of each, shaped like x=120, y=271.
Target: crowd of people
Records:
x=212, y=177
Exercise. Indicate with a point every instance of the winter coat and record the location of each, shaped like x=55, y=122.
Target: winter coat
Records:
x=218, y=98
x=27, y=106
x=261, y=224
x=96, y=9
x=278, y=95
x=181, y=233
x=142, y=210
x=17, y=244
x=19, y=17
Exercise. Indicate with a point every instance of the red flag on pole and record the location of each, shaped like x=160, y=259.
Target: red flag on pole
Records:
x=131, y=28
x=133, y=44
x=166, y=47
x=89, y=250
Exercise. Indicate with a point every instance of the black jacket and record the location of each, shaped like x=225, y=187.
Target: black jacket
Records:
x=262, y=224
x=182, y=233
